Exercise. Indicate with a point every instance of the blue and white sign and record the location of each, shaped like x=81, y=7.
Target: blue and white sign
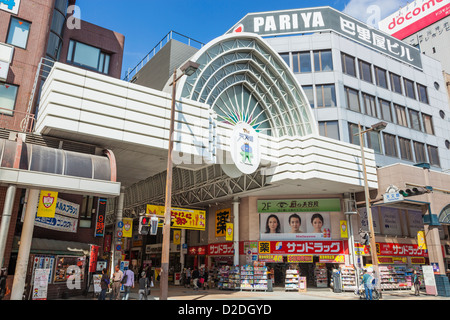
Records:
x=392, y=197
x=11, y=6
x=58, y=223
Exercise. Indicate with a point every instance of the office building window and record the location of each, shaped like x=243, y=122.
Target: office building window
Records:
x=396, y=83
x=323, y=60
x=380, y=76
x=8, y=95
x=370, y=105
x=433, y=155
x=301, y=62
x=374, y=141
x=309, y=92
x=353, y=133
x=352, y=96
x=390, y=145
x=386, y=113
x=400, y=113
x=326, y=95
x=415, y=120
x=329, y=129
x=427, y=123
x=18, y=33
x=419, y=151
x=422, y=93
x=409, y=88
x=89, y=57
x=405, y=149
x=348, y=64
x=285, y=57
x=365, y=71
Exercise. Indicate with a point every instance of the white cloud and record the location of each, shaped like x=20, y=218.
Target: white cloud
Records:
x=372, y=11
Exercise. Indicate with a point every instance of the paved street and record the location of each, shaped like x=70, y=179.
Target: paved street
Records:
x=180, y=293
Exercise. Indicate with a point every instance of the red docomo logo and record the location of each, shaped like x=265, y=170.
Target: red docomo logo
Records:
x=397, y=21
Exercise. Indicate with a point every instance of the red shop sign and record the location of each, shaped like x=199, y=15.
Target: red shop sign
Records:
x=400, y=249
x=200, y=250
x=220, y=249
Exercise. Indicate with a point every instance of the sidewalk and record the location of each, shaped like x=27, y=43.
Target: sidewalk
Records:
x=181, y=293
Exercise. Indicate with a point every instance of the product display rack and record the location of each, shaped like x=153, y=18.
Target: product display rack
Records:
x=348, y=278
x=393, y=277
x=246, y=277
x=291, y=281
x=259, y=276
x=229, y=278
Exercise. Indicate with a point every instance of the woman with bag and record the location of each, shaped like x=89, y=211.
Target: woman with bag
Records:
x=416, y=283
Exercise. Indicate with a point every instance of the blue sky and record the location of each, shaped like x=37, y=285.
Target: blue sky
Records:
x=145, y=22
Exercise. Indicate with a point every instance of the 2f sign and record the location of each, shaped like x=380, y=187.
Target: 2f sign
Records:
x=288, y=22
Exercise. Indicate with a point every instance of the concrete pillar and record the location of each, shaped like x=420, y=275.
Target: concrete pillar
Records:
x=116, y=256
x=25, y=245
x=6, y=219
x=236, y=230
x=183, y=241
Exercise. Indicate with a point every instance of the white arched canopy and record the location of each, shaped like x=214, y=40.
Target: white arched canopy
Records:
x=244, y=80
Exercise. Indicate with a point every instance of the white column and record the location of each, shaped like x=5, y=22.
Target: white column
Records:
x=25, y=245
x=236, y=230
x=183, y=240
x=116, y=256
x=6, y=220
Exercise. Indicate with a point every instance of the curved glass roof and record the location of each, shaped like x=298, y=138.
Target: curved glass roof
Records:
x=243, y=79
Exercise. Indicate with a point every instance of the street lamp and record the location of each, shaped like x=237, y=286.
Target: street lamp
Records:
x=188, y=69
x=373, y=249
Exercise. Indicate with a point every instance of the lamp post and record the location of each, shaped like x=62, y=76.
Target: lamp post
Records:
x=188, y=69
x=373, y=249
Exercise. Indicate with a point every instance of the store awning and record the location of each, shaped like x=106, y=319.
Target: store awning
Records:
x=55, y=247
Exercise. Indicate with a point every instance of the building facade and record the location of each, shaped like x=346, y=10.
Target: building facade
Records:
x=33, y=36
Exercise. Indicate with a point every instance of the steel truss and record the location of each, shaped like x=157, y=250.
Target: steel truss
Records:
x=191, y=189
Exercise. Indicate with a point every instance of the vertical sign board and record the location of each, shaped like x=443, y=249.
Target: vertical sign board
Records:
x=93, y=258
x=47, y=204
x=101, y=215
x=430, y=282
x=40, y=284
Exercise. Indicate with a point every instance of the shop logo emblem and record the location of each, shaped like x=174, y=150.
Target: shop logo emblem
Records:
x=239, y=28
x=48, y=200
x=245, y=148
x=279, y=245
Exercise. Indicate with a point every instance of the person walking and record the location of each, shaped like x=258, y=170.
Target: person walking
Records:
x=195, y=276
x=116, y=283
x=416, y=283
x=104, y=285
x=188, y=278
x=367, y=282
x=144, y=286
x=205, y=279
x=128, y=283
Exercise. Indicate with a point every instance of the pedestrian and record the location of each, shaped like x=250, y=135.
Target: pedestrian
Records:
x=205, y=279
x=104, y=285
x=144, y=286
x=128, y=283
x=367, y=282
x=188, y=278
x=195, y=276
x=116, y=283
x=416, y=283
x=2, y=283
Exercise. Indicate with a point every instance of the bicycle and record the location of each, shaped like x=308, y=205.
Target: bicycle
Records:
x=361, y=292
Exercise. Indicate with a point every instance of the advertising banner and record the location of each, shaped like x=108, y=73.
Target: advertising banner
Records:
x=101, y=217
x=127, y=227
x=222, y=217
x=47, y=204
x=399, y=249
x=189, y=219
x=58, y=223
x=40, y=284
x=229, y=236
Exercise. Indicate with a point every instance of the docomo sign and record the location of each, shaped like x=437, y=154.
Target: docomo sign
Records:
x=413, y=18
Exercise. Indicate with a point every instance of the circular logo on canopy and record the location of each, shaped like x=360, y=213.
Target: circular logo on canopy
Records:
x=245, y=150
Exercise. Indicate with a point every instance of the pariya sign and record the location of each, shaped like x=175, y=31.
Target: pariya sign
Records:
x=319, y=19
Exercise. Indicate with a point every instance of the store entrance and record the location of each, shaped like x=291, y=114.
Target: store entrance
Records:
x=318, y=275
